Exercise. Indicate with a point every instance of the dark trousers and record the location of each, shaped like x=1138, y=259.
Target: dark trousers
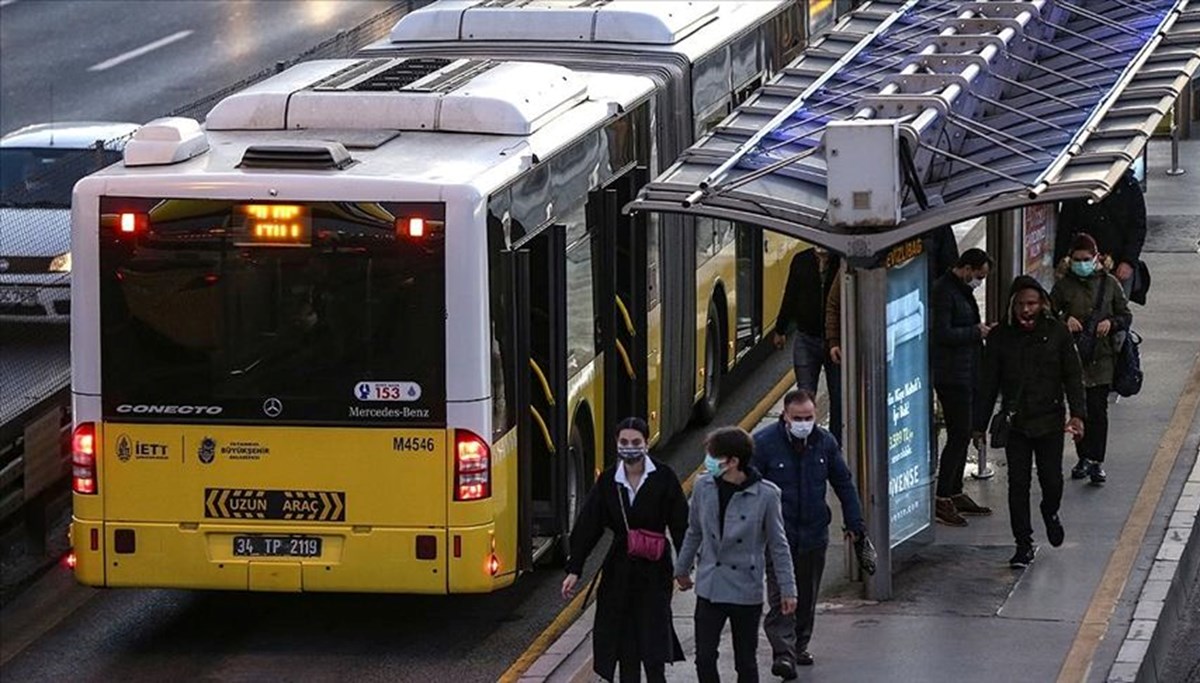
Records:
x=956, y=403
x=1094, y=443
x=790, y=633
x=1021, y=451
x=808, y=357
x=630, y=663
x=743, y=621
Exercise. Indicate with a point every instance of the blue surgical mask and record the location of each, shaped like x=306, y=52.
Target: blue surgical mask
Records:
x=713, y=466
x=801, y=428
x=1083, y=268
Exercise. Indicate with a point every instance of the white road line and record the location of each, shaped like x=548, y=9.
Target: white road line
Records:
x=150, y=47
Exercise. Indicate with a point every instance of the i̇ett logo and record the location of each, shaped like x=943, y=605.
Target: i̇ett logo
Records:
x=124, y=448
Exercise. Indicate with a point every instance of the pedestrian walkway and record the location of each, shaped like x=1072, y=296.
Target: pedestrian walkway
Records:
x=959, y=612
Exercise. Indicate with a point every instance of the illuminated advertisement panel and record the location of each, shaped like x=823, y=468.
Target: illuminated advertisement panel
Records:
x=910, y=470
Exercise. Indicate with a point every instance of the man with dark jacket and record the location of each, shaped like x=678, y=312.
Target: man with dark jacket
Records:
x=1117, y=222
x=1030, y=361
x=810, y=283
x=958, y=335
x=801, y=458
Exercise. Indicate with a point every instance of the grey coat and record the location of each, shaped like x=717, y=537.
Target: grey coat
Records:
x=729, y=566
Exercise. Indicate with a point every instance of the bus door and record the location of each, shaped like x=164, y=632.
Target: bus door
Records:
x=540, y=329
x=621, y=294
x=749, y=248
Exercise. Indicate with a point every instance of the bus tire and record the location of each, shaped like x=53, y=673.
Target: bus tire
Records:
x=576, y=487
x=714, y=368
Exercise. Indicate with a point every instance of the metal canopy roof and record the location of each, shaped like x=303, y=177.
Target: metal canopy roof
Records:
x=912, y=115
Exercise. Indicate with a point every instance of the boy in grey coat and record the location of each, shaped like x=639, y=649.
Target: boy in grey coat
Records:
x=735, y=519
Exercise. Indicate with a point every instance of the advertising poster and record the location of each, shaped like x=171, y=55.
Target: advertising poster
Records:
x=1038, y=243
x=909, y=387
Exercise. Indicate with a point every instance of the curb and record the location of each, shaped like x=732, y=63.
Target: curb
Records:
x=1146, y=647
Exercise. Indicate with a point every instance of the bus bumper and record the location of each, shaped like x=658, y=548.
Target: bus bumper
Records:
x=352, y=558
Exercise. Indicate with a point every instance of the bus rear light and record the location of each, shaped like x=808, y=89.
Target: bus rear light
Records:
x=94, y=540
x=132, y=223
x=70, y=560
x=472, y=466
x=83, y=459
x=494, y=565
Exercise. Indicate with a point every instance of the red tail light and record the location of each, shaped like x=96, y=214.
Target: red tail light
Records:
x=83, y=459
x=472, y=466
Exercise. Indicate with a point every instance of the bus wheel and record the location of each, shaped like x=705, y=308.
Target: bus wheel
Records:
x=706, y=410
x=575, y=488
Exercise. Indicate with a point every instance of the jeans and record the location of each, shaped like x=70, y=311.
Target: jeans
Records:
x=790, y=633
x=956, y=403
x=710, y=621
x=1021, y=452
x=808, y=357
x=1094, y=443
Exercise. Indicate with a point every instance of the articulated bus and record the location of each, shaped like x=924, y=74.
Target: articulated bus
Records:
x=366, y=329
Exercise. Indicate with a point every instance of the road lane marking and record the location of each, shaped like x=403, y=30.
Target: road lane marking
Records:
x=1078, y=664
x=133, y=54
x=574, y=609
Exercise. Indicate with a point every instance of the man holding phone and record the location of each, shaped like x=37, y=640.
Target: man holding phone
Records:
x=958, y=334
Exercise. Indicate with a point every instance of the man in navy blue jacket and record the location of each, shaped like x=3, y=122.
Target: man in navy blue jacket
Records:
x=801, y=458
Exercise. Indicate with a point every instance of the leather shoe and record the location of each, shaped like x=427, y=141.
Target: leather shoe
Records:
x=804, y=658
x=784, y=668
x=947, y=514
x=966, y=506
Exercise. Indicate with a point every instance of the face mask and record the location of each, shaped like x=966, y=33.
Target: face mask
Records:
x=801, y=428
x=1083, y=268
x=975, y=282
x=713, y=465
x=631, y=453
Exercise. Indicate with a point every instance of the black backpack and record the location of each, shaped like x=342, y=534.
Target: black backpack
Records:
x=1127, y=375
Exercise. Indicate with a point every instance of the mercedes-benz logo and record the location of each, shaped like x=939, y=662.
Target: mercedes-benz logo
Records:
x=272, y=407
x=3, y=265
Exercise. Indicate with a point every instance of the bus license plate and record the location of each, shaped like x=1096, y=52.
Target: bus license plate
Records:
x=276, y=546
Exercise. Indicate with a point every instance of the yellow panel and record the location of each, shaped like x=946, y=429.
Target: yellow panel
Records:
x=89, y=564
x=169, y=473
x=275, y=576
x=654, y=372
x=505, y=498
x=777, y=261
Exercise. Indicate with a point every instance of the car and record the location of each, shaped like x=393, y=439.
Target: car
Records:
x=39, y=166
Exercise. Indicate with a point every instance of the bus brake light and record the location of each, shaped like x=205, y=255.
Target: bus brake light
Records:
x=472, y=466
x=83, y=459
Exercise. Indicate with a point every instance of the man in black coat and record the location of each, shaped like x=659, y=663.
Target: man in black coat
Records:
x=1117, y=223
x=958, y=335
x=810, y=283
x=1031, y=362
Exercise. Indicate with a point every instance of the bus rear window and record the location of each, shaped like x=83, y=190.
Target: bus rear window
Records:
x=315, y=313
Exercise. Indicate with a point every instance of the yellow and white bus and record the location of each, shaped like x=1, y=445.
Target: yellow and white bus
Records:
x=365, y=328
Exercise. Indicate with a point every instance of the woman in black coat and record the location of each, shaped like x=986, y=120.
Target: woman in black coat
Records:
x=633, y=603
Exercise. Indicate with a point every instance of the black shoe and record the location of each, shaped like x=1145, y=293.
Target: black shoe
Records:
x=1022, y=558
x=1054, y=529
x=1096, y=474
x=804, y=658
x=1080, y=470
x=966, y=506
x=784, y=668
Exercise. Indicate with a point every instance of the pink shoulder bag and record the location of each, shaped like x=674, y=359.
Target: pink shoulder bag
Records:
x=641, y=543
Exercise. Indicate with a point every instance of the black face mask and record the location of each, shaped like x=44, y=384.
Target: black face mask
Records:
x=631, y=453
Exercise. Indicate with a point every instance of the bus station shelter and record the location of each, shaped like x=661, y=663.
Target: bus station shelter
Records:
x=907, y=117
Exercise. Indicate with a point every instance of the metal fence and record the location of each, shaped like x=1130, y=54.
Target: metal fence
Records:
x=34, y=286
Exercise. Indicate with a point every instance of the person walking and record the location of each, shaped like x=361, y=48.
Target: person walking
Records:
x=958, y=334
x=811, y=279
x=1118, y=225
x=801, y=458
x=1090, y=300
x=1030, y=362
x=734, y=525
x=637, y=499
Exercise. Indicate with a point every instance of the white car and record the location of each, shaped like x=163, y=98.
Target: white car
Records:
x=39, y=166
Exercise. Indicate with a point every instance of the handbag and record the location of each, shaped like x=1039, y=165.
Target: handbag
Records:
x=641, y=543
